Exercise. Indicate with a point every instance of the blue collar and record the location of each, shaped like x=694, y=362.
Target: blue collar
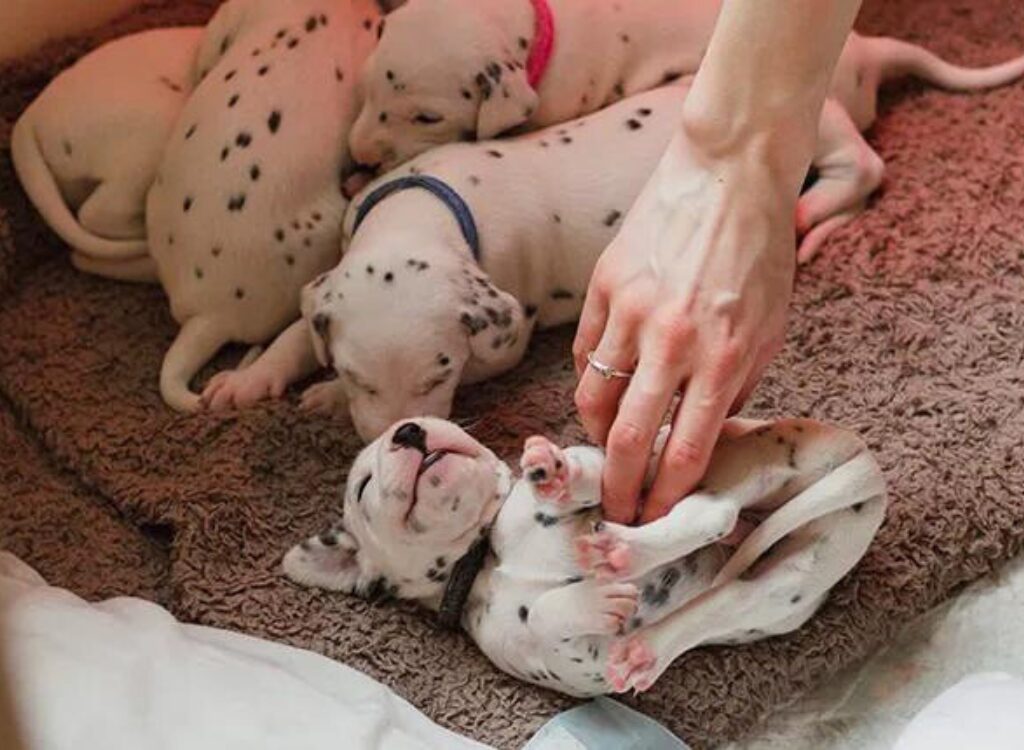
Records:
x=441, y=189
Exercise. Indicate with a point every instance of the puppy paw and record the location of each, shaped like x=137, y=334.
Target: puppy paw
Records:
x=546, y=468
x=241, y=389
x=604, y=554
x=632, y=665
x=326, y=398
x=616, y=605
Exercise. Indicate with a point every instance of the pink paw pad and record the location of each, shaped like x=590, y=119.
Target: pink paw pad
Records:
x=631, y=665
x=604, y=554
x=546, y=468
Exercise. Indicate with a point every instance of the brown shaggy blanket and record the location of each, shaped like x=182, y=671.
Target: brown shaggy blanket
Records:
x=908, y=328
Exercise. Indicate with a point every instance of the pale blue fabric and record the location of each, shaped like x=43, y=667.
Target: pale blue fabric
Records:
x=604, y=724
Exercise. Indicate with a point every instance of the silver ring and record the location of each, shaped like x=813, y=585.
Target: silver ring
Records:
x=606, y=371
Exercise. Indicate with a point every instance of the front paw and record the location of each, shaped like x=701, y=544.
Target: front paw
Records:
x=326, y=398
x=546, y=468
x=241, y=389
x=604, y=554
x=632, y=665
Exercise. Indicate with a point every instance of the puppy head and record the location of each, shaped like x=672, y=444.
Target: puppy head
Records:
x=416, y=500
x=402, y=331
x=442, y=72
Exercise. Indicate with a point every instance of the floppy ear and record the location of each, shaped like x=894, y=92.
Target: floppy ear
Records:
x=506, y=100
x=496, y=329
x=328, y=561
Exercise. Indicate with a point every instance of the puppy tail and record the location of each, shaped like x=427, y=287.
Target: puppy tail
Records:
x=197, y=342
x=141, y=270
x=42, y=189
x=856, y=482
x=899, y=58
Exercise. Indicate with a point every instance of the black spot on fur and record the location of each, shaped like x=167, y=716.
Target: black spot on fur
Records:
x=624, y=38
x=190, y=132
x=280, y=33
x=254, y=172
x=243, y=139
x=216, y=251
x=338, y=74
x=236, y=202
x=311, y=23
x=380, y=29
x=557, y=218
x=233, y=100
x=230, y=74
x=561, y=294
x=224, y=153
x=293, y=43
x=524, y=612
x=67, y=148
x=644, y=112
x=566, y=139
x=858, y=507
x=263, y=70
x=612, y=218
x=368, y=24
x=274, y=121
x=634, y=124
x=495, y=153
x=199, y=272
x=473, y=323
x=544, y=519
x=443, y=360
x=382, y=117
x=289, y=259
x=239, y=293
x=523, y=43
x=467, y=94
x=186, y=204
x=482, y=83
x=573, y=579
x=224, y=45
x=389, y=277
x=619, y=89
x=670, y=76
x=170, y=84
x=796, y=599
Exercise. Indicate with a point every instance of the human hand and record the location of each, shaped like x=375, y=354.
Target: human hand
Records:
x=691, y=297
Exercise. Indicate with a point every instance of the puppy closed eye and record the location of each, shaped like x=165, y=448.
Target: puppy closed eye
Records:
x=362, y=487
x=428, y=118
x=434, y=384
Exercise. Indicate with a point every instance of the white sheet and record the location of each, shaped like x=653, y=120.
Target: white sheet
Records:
x=125, y=674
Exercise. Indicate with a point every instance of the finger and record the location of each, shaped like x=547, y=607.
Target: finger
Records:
x=694, y=433
x=632, y=435
x=597, y=397
x=213, y=385
x=223, y=400
x=592, y=323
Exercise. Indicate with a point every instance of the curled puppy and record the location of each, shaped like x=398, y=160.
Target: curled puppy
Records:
x=87, y=149
x=554, y=596
x=449, y=70
x=247, y=205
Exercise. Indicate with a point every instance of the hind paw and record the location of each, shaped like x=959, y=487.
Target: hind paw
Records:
x=632, y=665
x=241, y=389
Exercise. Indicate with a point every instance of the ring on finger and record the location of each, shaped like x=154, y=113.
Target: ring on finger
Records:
x=606, y=371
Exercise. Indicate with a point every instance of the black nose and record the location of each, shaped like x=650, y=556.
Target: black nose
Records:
x=410, y=435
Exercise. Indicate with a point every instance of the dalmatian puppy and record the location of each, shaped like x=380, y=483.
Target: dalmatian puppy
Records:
x=246, y=207
x=557, y=597
x=411, y=311
x=87, y=149
x=449, y=70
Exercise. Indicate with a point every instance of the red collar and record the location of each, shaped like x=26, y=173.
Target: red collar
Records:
x=543, y=42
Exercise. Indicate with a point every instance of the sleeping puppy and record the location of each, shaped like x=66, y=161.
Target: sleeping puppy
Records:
x=87, y=149
x=556, y=597
x=449, y=70
x=246, y=207
x=452, y=260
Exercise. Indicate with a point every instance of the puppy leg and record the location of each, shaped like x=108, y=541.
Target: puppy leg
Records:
x=763, y=468
x=848, y=172
x=288, y=359
x=581, y=609
x=115, y=211
x=570, y=479
x=777, y=595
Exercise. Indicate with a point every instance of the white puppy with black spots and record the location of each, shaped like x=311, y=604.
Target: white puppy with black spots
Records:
x=449, y=70
x=87, y=149
x=247, y=205
x=557, y=597
x=416, y=307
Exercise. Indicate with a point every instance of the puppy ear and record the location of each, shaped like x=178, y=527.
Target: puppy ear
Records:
x=496, y=327
x=506, y=100
x=328, y=561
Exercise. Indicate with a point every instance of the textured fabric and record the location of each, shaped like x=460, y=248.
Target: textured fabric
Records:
x=906, y=328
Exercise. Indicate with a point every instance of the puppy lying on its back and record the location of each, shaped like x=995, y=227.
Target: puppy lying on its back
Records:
x=575, y=605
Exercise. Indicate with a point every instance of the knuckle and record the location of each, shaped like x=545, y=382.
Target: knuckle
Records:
x=676, y=331
x=627, y=438
x=587, y=403
x=683, y=454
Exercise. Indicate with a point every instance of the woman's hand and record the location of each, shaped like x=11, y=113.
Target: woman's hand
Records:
x=691, y=297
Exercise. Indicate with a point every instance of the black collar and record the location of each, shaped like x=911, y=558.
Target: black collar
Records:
x=460, y=583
